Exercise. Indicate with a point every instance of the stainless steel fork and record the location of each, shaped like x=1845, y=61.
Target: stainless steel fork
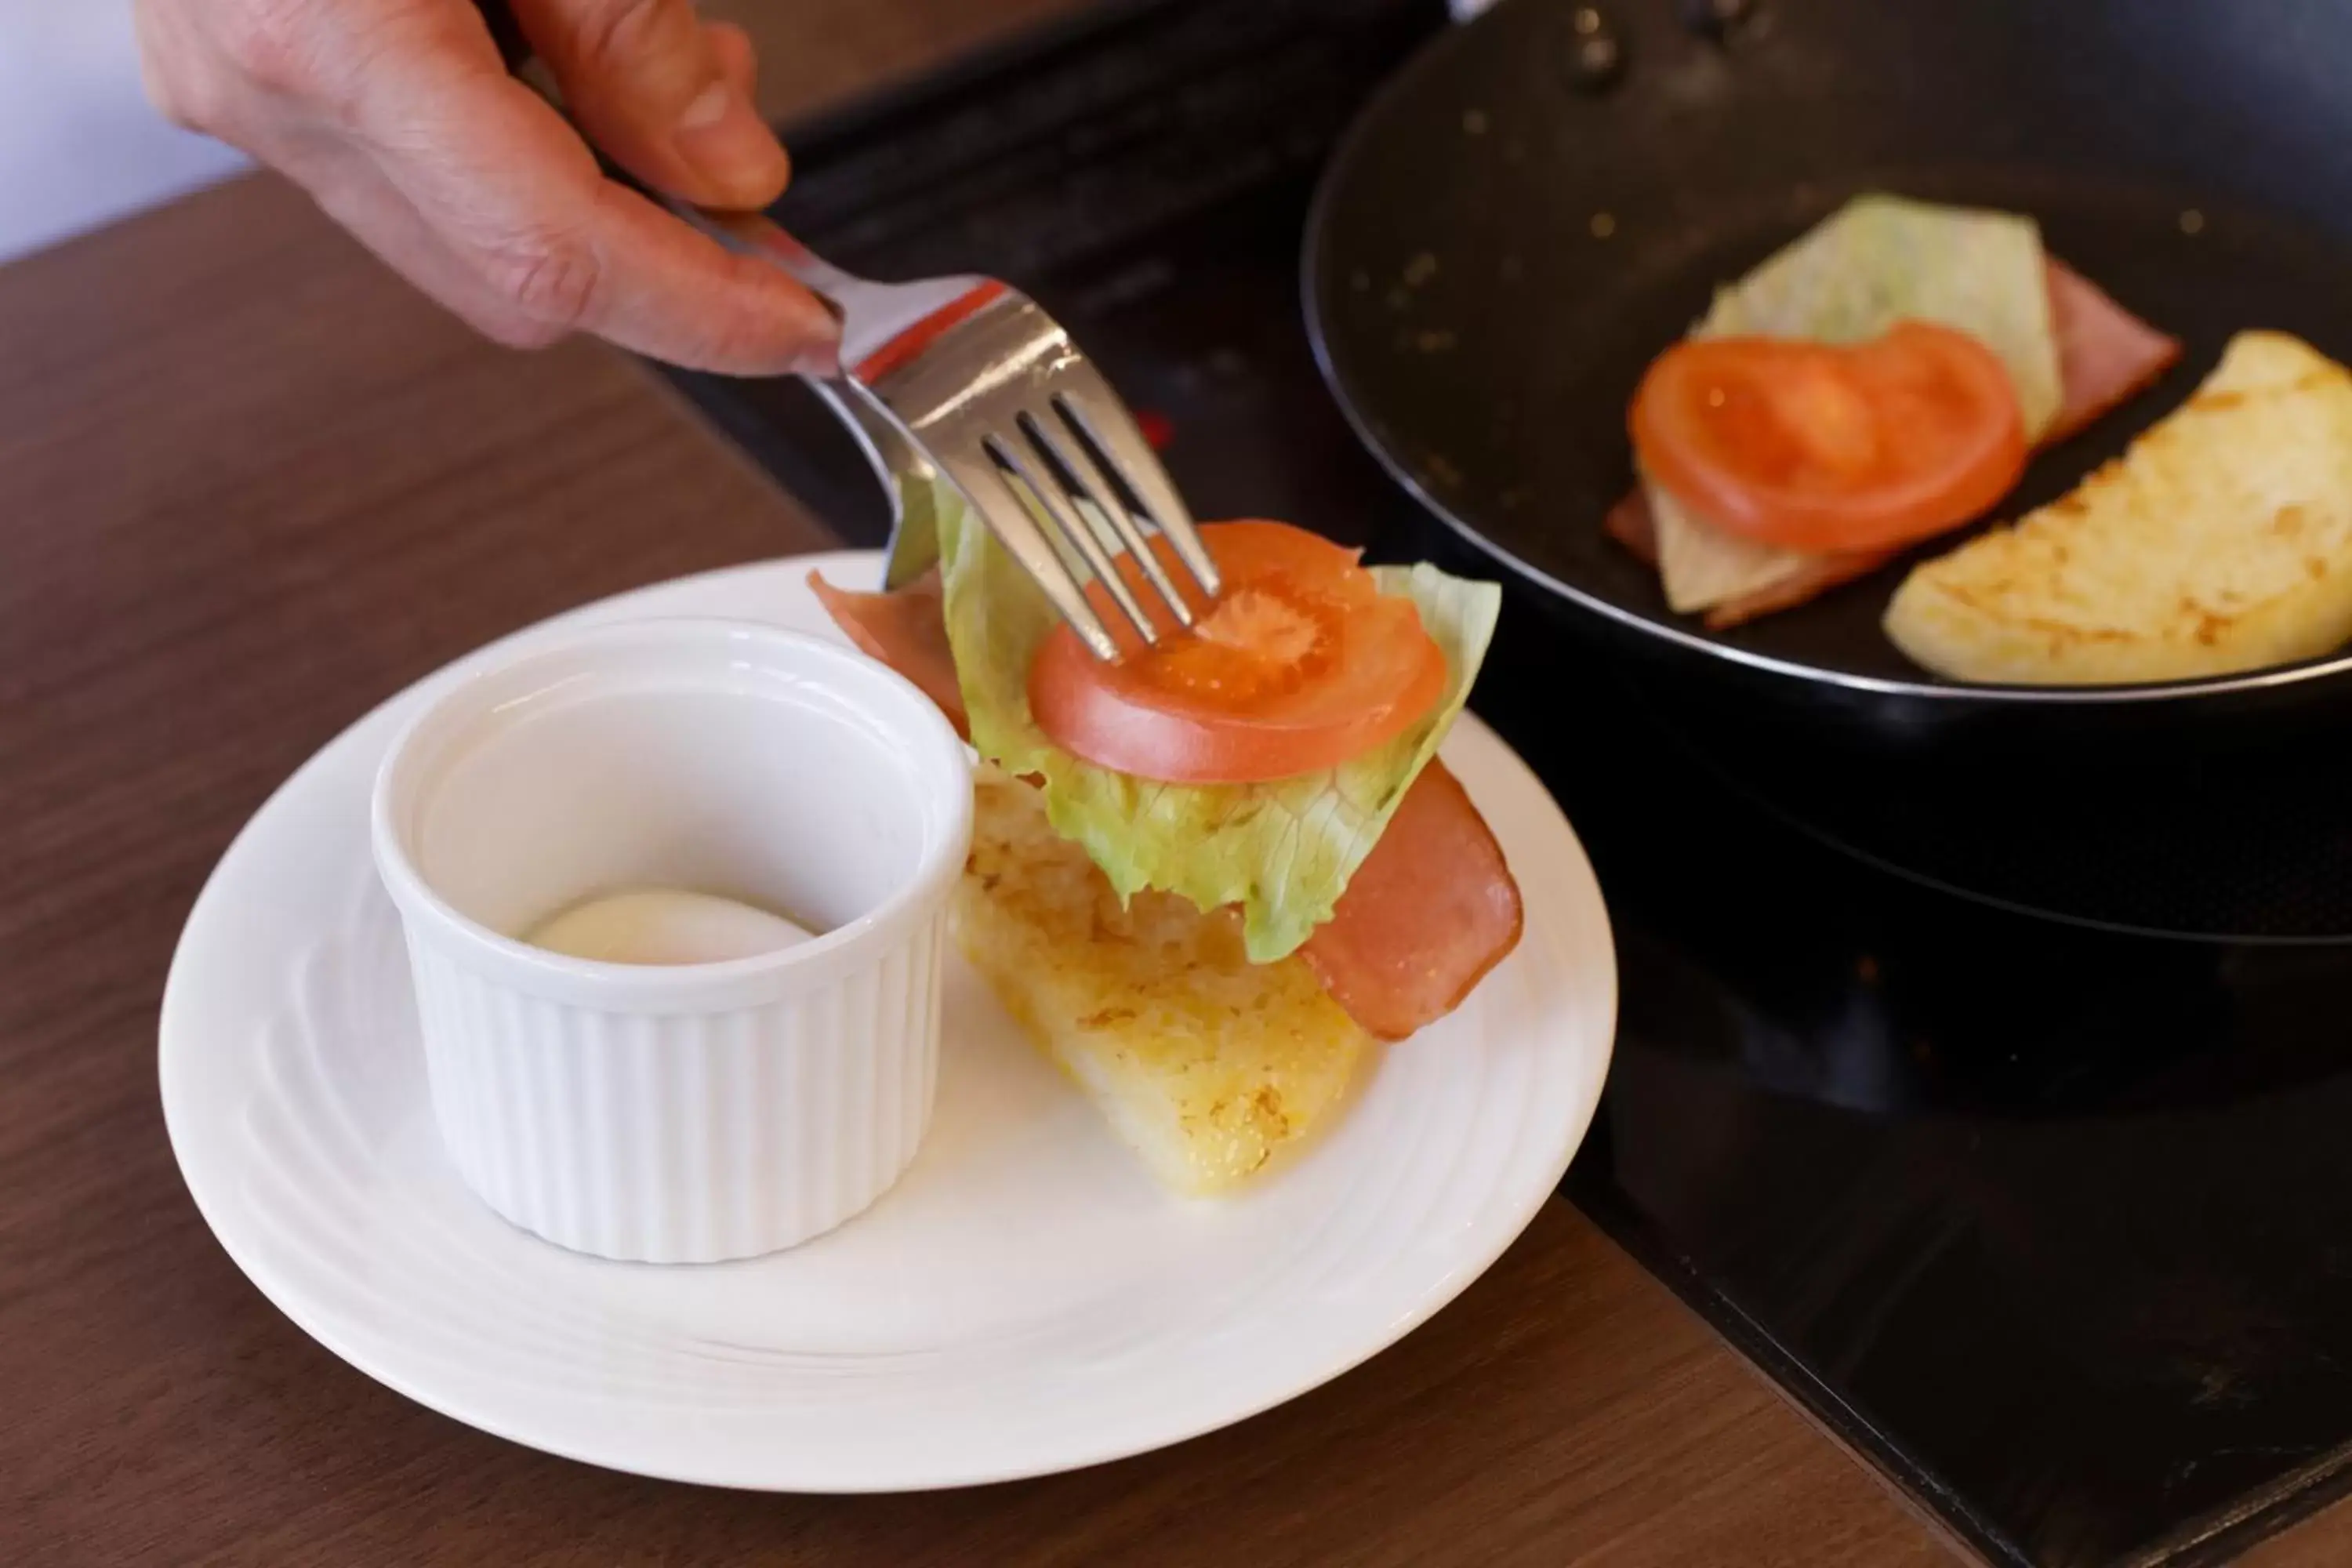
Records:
x=969, y=380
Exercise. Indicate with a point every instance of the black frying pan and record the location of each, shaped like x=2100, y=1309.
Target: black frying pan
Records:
x=1548, y=196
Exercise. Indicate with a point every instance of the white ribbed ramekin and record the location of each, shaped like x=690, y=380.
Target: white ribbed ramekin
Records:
x=677, y=1114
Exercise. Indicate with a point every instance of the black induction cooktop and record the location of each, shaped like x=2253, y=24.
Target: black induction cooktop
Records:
x=2044, y=1210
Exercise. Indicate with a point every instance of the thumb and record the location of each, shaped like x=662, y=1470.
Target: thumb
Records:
x=652, y=88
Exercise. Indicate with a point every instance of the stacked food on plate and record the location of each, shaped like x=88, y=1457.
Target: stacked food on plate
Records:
x=1882, y=382
x=1207, y=875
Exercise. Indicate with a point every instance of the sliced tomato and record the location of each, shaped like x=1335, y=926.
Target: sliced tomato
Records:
x=1302, y=664
x=1820, y=448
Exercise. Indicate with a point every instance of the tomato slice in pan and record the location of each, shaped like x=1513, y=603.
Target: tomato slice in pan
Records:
x=1820, y=448
x=1301, y=665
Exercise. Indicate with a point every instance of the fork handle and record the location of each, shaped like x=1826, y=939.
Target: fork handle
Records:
x=759, y=236
x=876, y=319
x=880, y=312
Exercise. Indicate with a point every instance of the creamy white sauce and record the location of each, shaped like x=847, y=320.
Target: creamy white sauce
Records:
x=663, y=926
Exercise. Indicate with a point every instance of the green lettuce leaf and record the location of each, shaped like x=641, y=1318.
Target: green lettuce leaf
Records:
x=1874, y=262
x=1283, y=851
x=1880, y=258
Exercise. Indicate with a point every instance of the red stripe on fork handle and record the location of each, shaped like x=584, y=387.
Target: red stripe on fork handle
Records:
x=911, y=343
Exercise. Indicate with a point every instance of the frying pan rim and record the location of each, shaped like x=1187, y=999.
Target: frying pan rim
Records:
x=1942, y=692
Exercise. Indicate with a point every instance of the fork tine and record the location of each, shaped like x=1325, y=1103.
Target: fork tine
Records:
x=1097, y=416
x=1001, y=510
x=1074, y=528
x=1076, y=468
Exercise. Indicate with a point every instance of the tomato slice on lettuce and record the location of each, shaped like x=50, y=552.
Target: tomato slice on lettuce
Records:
x=1301, y=665
x=1830, y=448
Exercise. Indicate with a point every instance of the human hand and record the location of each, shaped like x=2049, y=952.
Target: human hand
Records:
x=403, y=123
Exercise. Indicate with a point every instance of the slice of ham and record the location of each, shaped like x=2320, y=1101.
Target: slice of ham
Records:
x=906, y=630
x=2107, y=355
x=1433, y=907
x=1631, y=524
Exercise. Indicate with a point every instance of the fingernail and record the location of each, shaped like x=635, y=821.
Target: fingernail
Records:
x=723, y=137
x=709, y=109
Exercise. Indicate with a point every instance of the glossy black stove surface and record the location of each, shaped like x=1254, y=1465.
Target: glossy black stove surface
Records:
x=2050, y=1221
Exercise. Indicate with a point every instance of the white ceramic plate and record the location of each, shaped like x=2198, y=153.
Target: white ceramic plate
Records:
x=1025, y=1300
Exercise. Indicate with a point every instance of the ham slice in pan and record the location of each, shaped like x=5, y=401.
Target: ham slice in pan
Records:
x=2107, y=355
x=1630, y=524
x=1433, y=907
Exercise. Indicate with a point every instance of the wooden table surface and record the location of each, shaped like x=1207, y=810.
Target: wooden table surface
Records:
x=249, y=486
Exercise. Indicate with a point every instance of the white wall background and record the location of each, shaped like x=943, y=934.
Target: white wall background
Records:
x=77, y=143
